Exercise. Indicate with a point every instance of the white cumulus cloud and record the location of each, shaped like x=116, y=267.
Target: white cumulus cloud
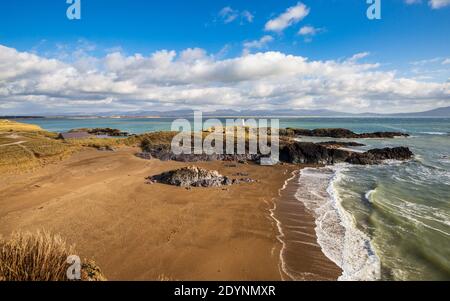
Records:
x=290, y=17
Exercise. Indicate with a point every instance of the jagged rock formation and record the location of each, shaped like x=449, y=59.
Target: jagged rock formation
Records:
x=295, y=153
x=311, y=153
x=338, y=144
x=164, y=153
x=103, y=132
x=376, y=156
x=193, y=176
x=291, y=151
x=338, y=133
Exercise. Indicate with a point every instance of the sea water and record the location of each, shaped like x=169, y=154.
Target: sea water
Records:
x=389, y=221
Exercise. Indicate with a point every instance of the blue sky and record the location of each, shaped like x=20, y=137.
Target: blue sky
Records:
x=412, y=39
x=405, y=32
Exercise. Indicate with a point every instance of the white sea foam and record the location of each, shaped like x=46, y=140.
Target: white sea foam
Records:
x=349, y=149
x=337, y=234
x=369, y=194
x=435, y=133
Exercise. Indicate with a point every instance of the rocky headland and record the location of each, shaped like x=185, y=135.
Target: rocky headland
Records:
x=296, y=152
x=102, y=132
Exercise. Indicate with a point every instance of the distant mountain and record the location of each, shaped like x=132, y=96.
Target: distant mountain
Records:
x=296, y=113
x=235, y=113
x=439, y=112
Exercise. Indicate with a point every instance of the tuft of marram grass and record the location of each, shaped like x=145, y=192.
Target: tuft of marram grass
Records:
x=40, y=256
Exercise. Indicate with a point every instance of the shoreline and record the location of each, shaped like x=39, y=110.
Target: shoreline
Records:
x=301, y=256
x=336, y=231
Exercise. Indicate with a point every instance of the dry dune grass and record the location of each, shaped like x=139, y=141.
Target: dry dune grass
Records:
x=29, y=154
x=14, y=155
x=98, y=142
x=43, y=148
x=8, y=125
x=40, y=256
x=24, y=147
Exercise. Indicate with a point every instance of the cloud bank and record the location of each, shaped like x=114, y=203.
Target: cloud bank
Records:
x=192, y=78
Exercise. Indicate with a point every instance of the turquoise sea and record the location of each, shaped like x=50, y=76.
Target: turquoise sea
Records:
x=389, y=222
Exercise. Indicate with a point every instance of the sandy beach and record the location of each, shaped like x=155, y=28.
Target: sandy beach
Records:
x=100, y=202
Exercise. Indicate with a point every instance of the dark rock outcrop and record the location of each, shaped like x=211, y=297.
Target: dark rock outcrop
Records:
x=291, y=151
x=103, y=132
x=164, y=153
x=311, y=153
x=338, y=144
x=192, y=176
x=294, y=153
x=338, y=133
x=376, y=156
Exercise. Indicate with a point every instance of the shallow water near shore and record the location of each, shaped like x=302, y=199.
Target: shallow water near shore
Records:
x=389, y=222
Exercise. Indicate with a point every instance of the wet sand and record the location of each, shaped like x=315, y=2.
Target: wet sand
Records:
x=301, y=255
x=100, y=202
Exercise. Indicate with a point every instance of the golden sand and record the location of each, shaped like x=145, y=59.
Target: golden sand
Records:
x=100, y=202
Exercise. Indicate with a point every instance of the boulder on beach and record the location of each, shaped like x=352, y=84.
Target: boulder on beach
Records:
x=192, y=176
